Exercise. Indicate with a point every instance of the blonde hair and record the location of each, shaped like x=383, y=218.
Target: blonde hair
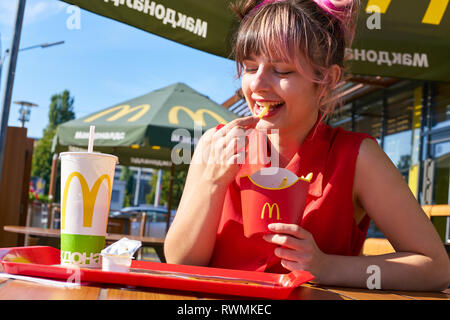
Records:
x=297, y=31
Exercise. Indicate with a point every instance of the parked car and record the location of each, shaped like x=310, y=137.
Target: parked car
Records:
x=154, y=214
x=155, y=222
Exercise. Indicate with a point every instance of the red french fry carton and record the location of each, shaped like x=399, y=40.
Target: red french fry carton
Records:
x=272, y=195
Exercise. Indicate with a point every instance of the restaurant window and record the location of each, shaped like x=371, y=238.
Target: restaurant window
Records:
x=342, y=117
x=398, y=134
x=368, y=119
x=441, y=108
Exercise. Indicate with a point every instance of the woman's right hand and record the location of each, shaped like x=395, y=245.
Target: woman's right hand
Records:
x=223, y=150
x=215, y=163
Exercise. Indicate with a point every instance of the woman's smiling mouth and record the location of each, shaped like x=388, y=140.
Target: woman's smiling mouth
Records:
x=273, y=108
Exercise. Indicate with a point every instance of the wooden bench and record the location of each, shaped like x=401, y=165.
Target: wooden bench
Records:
x=377, y=246
x=155, y=243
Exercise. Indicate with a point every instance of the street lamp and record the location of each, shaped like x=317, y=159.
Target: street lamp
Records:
x=42, y=45
x=6, y=98
x=5, y=55
x=24, y=111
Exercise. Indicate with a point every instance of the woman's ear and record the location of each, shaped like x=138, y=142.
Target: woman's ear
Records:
x=335, y=75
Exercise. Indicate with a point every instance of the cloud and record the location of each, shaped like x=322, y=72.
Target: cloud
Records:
x=42, y=10
x=35, y=11
x=7, y=12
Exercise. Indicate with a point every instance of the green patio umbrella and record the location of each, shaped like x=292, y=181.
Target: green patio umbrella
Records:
x=401, y=38
x=156, y=130
x=147, y=131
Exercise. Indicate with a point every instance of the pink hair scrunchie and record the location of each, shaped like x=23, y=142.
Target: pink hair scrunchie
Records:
x=330, y=6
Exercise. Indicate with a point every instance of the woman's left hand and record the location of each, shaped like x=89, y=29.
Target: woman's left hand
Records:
x=298, y=249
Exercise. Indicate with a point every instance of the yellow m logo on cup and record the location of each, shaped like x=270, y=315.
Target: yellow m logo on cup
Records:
x=197, y=116
x=270, y=208
x=89, y=197
x=121, y=111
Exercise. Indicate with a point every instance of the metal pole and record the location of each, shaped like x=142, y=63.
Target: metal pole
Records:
x=43, y=46
x=138, y=187
x=51, y=190
x=158, y=188
x=6, y=101
x=169, y=204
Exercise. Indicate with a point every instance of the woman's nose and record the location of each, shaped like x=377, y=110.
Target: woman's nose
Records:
x=260, y=81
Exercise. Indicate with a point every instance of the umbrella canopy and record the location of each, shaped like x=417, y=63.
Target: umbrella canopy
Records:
x=402, y=38
x=143, y=131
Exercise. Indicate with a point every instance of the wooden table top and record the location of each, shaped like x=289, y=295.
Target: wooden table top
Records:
x=156, y=243
x=55, y=233
x=12, y=289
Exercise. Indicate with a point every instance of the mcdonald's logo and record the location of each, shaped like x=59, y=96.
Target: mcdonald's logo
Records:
x=89, y=197
x=121, y=111
x=270, y=207
x=433, y=15
x=197, y=116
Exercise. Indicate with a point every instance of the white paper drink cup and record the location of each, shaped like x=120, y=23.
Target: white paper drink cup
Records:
x=86, y=186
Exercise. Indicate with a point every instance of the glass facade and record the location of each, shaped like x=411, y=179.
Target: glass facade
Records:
x=411, y=122
x=398, y=135
x=342, y=117
x=440, y=113
x=438, y=153
x=392, y=116
x=368, y=118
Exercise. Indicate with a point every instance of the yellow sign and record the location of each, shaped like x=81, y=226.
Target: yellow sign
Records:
x=89, y=197
x=435, y=12
x=270, y=207
x=413, y=178
x=433, y=15
x=382, y=4
x=197, y=116
x=122, y=111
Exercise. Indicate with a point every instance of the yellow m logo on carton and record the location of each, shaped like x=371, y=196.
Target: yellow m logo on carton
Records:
x=122, y=111
x=270, y=207
x=89, y=197
x=197, y=116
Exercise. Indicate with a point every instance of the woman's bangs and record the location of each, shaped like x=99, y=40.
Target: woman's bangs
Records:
x=272, y=33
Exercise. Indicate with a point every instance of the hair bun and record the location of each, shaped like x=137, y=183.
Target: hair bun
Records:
x=339, y=4
x=334, y=5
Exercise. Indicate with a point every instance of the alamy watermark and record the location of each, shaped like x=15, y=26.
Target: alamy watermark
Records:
x=74, y=280
x=374, y=280
x=374, y=20
x=73, y=22
x=226, y=146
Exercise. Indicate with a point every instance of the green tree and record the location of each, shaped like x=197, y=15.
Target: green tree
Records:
x=177, y=190
x=60, y=111
x=41, y=164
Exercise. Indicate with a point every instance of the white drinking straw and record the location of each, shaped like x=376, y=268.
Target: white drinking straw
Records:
x=91, y=139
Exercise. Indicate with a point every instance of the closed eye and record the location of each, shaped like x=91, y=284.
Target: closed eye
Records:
x=283, y=72
x=248, y=69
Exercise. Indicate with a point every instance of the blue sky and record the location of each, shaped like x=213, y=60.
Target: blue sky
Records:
x=102, y=64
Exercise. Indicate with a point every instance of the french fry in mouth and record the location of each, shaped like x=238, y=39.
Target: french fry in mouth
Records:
x=264, y=111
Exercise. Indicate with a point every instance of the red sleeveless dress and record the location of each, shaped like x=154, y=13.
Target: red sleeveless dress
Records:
x=330, y=154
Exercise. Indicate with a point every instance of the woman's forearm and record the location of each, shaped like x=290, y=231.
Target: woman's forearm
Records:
x=395, y=271
x=191, y=238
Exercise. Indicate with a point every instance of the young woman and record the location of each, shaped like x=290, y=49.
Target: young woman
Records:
x=290, y=56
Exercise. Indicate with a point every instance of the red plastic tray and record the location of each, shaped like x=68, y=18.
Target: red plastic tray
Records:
x=40, y=261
